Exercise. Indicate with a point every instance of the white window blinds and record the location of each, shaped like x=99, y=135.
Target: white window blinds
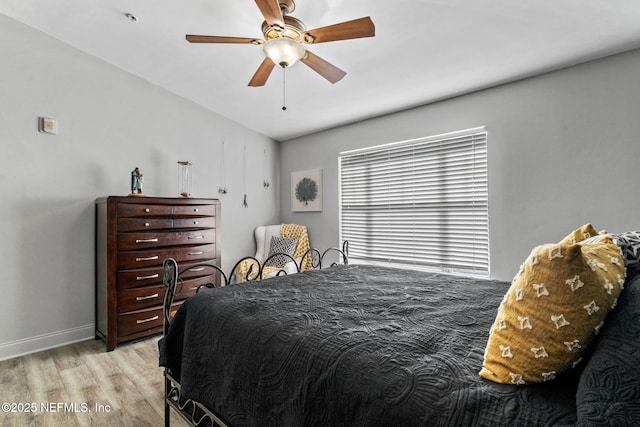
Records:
x=420, y=203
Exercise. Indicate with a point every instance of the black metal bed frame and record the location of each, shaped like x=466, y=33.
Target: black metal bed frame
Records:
x=195, y=413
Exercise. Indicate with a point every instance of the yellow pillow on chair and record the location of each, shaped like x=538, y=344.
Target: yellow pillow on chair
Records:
x=554, y=307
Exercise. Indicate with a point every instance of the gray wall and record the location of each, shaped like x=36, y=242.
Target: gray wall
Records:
x=563, y=151
x=109, y=122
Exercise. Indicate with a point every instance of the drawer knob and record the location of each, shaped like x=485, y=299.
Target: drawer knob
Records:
x=195, y=222
x=146, y=224
x=147, y=210
x=196, y=210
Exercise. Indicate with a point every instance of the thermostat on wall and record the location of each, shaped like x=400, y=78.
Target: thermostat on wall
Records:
x=47, y=125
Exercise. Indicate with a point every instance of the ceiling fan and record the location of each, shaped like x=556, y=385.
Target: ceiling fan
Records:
x=284, y=36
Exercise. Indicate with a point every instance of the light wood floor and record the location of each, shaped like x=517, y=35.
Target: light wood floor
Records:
x=121, y=388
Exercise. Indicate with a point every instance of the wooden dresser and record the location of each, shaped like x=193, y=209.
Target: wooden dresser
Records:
x=133, y=236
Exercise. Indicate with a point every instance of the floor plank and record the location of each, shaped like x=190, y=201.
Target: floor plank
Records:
x=83, y=385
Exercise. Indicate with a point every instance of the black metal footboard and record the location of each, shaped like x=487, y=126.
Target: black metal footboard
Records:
x=195, y=413
x=190, y=410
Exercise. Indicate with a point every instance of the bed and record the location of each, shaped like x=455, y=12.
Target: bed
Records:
x=357, y=345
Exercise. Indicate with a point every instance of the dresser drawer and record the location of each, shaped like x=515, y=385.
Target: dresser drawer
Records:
x=194, y=210
x=200, y=271
x=152, y=257
x=197, y=222
x=139, y=277
x=151, y=296
x=141, y=224
x=143, y=210
x=135, y=241
x=139, y=320
x=137, y=298
x=189, y=287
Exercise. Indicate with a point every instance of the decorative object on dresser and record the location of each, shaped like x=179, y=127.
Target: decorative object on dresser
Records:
x=136, y=182
x=133, y=237
x=185, y=178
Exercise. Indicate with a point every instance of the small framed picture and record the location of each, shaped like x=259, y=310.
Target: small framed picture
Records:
x=306, y=191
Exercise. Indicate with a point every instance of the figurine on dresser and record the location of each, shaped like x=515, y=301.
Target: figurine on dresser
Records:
x=136, y=182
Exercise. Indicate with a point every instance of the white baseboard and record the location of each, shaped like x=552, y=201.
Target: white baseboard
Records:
x=17, y=348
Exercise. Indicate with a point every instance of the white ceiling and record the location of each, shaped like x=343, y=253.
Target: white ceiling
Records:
x=423, y=51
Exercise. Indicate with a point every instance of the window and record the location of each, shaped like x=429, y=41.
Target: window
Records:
x=420, y=203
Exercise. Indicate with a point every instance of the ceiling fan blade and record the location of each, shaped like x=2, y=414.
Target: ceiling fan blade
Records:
x=263, y=73
x=322, y=67
x=218, y=39
x=358, y=28
x=271, y=11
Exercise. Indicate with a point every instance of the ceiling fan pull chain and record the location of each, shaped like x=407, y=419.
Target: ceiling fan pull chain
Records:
x=223, y=174
x=284, y=107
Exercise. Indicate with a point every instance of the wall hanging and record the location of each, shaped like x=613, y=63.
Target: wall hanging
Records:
x=306, y=191
x=223, y=188
x=244, y=177
x=265, y=182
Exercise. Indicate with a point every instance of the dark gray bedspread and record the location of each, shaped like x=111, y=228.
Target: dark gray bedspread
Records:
x=353, y=346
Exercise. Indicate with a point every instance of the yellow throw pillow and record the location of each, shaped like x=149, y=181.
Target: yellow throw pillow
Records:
x=555, y=305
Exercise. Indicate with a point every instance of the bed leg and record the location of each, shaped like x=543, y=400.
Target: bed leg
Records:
x=167, y=408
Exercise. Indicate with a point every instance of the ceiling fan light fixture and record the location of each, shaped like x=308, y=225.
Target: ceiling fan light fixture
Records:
x=284, y=51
